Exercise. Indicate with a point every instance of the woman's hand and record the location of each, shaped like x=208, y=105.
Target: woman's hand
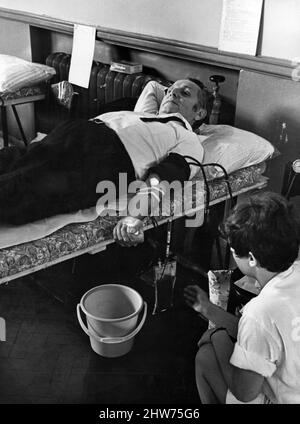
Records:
x=197, y=299
x=129, y=232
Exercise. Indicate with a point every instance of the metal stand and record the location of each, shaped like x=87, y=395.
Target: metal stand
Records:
x=4, y=103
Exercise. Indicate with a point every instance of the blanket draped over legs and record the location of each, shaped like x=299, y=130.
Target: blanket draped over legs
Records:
x=60, y=173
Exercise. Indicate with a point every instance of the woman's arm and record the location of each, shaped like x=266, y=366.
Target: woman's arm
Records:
x=198, y=299
x=245, y=385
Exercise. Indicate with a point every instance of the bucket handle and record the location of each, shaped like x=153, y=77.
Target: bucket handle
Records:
x=111, y=339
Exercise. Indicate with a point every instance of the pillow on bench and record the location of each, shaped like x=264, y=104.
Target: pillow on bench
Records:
x=16, y=73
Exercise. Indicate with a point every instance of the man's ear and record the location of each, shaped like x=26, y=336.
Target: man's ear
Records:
x=252, y=260
x=201, y=114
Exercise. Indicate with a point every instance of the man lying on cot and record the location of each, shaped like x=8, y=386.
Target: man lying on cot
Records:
x=60, y=174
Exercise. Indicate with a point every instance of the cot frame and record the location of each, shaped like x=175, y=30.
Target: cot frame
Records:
x=99, y=247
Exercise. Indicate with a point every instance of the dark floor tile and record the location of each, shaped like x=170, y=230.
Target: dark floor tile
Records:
x=74, y=391
x=47, y=358
x=28, y=344
x=13, y=400
x=47, y=400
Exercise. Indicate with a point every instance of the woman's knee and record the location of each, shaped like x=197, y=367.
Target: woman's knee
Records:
x=203, y=359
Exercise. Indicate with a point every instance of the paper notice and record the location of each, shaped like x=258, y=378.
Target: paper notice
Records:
x=82, y=55
x=240, y=26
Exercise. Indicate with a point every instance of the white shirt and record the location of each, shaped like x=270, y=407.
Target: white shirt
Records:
x=268, y=340
x=148, y=143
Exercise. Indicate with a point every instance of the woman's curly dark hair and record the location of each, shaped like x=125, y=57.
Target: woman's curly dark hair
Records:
x=266, y=225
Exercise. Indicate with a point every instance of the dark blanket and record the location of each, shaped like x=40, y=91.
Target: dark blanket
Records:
x=60, y=174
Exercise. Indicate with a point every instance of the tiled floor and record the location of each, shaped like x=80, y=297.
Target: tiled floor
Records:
x=47, y=357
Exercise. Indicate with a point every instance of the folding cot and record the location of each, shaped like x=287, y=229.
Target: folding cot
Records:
x=76, y=239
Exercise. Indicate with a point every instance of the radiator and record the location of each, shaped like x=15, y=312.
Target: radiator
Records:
x=105, y=86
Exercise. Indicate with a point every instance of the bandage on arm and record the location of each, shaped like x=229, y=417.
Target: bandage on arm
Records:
x=174, y=167
x=149, y=197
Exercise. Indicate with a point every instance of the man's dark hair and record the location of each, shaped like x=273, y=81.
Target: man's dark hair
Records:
x=202, y=100
x=266, y=225
x=198, y=82
x=202, y=89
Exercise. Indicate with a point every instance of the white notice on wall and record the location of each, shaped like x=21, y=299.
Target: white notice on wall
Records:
x=240, y=26
x=82, y=55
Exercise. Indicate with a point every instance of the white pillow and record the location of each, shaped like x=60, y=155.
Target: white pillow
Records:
x=16, y=73
x=232, y=148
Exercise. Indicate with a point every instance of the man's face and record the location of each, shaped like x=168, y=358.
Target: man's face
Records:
x=183, y=97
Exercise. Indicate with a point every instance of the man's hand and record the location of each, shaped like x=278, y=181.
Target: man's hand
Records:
x=197, y=299
x=129, y=231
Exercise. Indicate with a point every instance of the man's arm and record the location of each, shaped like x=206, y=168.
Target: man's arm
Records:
x=128, y=231
x=150, y=99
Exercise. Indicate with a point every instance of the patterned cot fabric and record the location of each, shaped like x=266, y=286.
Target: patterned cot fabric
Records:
x=78, y=237
x=23, y=92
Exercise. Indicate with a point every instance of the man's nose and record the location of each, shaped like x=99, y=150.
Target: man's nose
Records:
x=175, y=93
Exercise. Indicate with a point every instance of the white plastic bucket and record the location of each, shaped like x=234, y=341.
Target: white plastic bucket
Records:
x=112, y=312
